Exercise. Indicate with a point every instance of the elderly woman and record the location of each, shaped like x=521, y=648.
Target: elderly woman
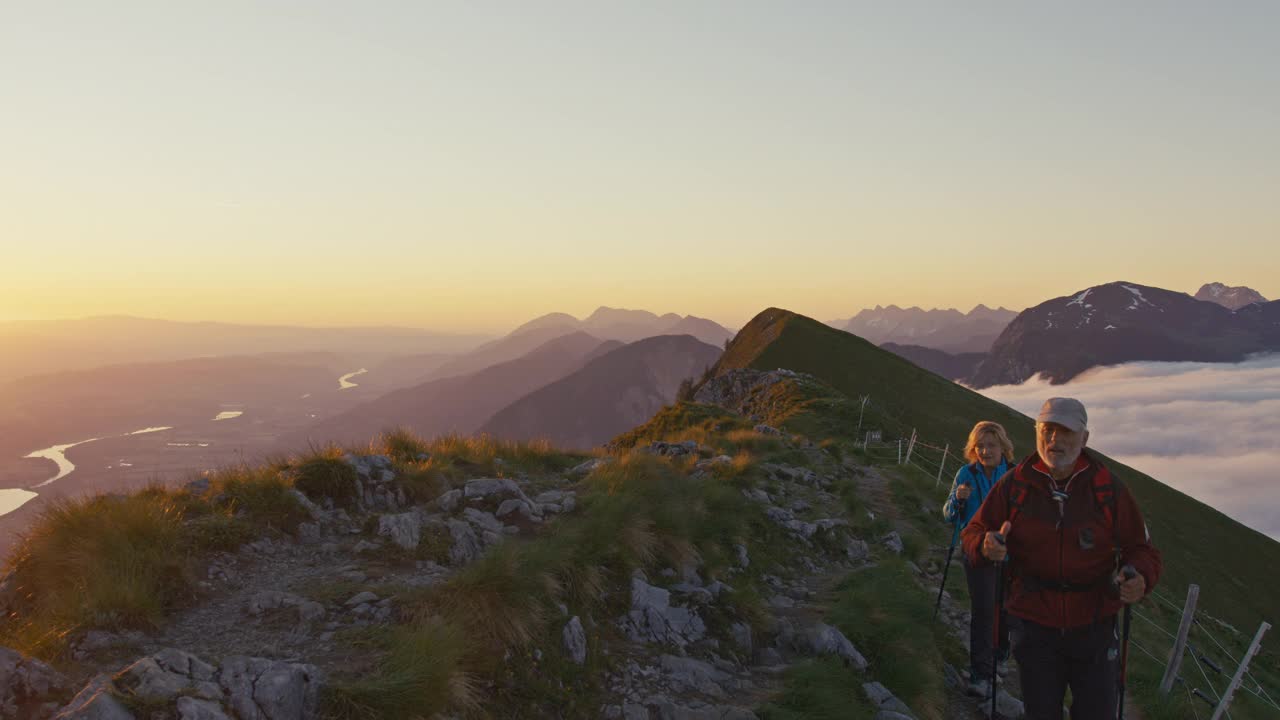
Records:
x=990, y=455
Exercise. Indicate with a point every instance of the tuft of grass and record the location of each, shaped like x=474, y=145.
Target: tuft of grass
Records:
x=683, y=421
x=421, y=674
x=499, y=601
x=106, y=561
x=488, y=455
x=401, y=445
x=324, y=474
x=217, y=531
x=889, y=620
x=423, y=481
x=822, y=689
x=744, y=439
x=261, y=494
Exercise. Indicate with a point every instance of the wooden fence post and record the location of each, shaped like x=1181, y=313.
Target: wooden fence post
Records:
x=942, y=464
x=1240, y=671
x=1180, y=644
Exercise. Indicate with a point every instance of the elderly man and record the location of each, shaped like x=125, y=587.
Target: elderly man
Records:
x=1069, y=530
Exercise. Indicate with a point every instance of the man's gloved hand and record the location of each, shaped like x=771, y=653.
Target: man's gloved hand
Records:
x=993, y=547
x=1131, y=589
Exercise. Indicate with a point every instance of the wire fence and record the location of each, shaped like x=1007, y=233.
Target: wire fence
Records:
x=905, y=447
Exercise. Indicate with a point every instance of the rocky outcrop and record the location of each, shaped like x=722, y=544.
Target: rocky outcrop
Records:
x=247, y=688
x=746, y=391
x=27, y=685
x=652, y=618
x=376, y=489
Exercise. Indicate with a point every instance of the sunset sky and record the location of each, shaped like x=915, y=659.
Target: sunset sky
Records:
x=469, y=165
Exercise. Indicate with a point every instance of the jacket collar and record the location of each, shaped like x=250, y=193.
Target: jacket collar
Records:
x=1084, y=462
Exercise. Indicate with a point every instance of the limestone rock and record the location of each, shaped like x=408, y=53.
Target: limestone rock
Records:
x=190, y=708
x=25, y=684
x=575, y=641
x=404, y=529
x=653, y=619
x=95, y=702
x=261, y=689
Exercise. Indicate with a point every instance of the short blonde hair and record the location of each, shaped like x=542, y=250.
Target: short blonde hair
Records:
x=983, y=428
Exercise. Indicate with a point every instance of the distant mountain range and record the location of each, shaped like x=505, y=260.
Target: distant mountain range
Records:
x=57, y=345
x=631, y=325
x=610, y=394
x=949, y=330
x=605, y=323
x=1232, y=298
x=1124, y=322
x=950, y=366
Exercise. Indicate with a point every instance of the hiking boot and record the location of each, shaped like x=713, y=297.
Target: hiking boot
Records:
x=979, y=688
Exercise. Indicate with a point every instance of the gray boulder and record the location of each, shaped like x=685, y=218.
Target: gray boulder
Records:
x=516, y=505
x=653, y=619
x=575, y=641
x=553, y=497
x=686, y=673
x=160, y=679
x=26, y=684
x=448, y=502
x=261, y=689
x=465, y=546
x=489, y=487
x=404, y=529
x=823, y=639
x=95, y=702
x=588, y=467
x=893, y=541
x=482, y=520
x=190, y=708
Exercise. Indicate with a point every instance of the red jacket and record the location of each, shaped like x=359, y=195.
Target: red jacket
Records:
x=1060, y=568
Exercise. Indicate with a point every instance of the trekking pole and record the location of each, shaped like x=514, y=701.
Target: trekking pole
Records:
x=995, y=626
x=955, y=533
x=1129, y=573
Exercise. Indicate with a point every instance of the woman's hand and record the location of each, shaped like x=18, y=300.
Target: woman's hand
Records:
x=963, y=492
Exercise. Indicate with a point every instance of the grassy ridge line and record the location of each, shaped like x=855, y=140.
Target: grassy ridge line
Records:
x=1200, y=544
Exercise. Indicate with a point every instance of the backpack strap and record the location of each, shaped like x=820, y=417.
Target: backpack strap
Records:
x=1104, y=496
x=1019, y=489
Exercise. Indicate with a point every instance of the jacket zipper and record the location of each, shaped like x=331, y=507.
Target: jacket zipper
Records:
x=1062, y=572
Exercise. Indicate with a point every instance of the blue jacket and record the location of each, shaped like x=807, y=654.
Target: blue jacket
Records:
x=974, y=475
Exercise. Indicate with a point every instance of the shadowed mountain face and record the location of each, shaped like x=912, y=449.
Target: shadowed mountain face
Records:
x=453, y=404
x=610, y=394
x=54, y=346
x=1231, y=298
x=948, y=330
x=948, y=365
x=1123, y=322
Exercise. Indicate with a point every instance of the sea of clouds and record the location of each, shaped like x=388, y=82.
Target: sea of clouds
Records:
x=1211, y=430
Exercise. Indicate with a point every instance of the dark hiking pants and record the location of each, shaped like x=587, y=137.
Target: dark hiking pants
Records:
x=1085, y=659
x=982, y=598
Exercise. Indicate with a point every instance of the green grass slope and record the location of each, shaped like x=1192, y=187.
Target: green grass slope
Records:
x=1231, y=563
